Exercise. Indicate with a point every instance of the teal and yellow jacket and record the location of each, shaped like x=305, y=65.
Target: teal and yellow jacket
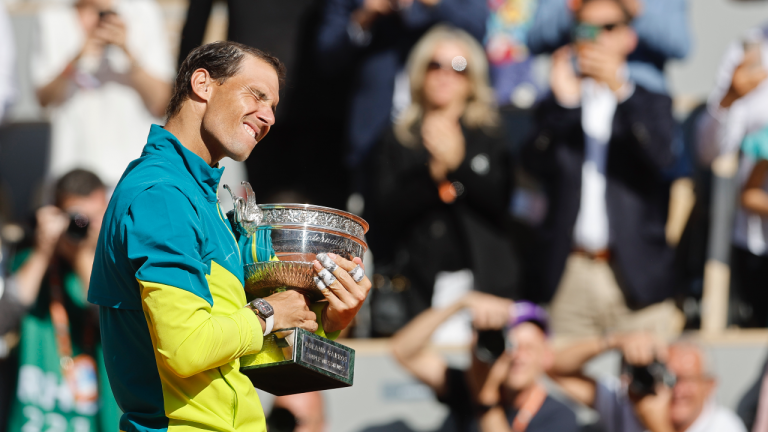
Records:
x=168, y=277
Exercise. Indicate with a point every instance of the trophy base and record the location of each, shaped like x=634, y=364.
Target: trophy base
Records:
x=315, y=364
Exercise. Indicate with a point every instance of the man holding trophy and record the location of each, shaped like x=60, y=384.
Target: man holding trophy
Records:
x=168, y=274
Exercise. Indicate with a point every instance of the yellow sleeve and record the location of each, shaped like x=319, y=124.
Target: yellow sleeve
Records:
x=188, y=337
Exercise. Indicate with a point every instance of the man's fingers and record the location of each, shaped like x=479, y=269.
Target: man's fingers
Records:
x=350, y=273
x=332, y=283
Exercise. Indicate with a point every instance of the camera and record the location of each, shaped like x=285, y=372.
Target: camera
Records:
x=78, y=226
x=491, y=344
x=644, y=379
x=105, y=13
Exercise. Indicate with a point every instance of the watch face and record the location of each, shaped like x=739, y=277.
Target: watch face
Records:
x=264, y=308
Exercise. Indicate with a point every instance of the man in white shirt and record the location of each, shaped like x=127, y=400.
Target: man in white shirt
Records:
x=688, y=406
x=104, y=69
x=600, y=152
x=737, y=107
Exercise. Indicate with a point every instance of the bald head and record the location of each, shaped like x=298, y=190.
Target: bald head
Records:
x=695, y=383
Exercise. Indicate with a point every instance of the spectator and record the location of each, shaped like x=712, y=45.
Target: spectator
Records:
x=302, y=412
x=60, y=357
x=104, y=69
x=374, y=37
x=440, y=179
x=735, y=109
x=688, y=405
x=661, y=27
x=601, y=144
x=493, y=393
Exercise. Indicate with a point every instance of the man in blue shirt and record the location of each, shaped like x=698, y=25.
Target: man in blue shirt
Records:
x=168, y=273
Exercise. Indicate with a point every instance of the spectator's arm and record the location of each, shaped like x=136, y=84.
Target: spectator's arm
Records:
x=409, y=346
x=335, y=47
x=647, y=126
x=173, y=280
x=154, y=92
x=469, y=15
x=55, y=91
x=551, y=27
x=567, y=370
x=754, y=198
x=721, y=130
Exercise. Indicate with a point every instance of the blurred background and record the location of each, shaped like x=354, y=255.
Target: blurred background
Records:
x=603, y=161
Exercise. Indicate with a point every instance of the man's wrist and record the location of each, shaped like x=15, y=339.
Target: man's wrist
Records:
x=264, y=312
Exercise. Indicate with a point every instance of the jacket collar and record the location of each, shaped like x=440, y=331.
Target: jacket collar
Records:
x=164, y=144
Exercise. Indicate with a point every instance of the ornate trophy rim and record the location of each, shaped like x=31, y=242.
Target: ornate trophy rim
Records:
x=311, y=207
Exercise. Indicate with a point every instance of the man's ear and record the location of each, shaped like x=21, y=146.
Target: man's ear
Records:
x=202, y=84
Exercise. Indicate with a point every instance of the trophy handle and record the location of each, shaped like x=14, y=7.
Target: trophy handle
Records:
x=247, y=214
x=237, y=203
x=251, y=212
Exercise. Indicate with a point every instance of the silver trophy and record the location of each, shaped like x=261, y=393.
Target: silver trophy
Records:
x=293, y=235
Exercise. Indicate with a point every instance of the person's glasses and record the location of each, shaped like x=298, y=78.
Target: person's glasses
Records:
x=589, y=32
x=435, y=65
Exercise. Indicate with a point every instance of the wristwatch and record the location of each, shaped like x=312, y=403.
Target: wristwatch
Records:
x=264, y=311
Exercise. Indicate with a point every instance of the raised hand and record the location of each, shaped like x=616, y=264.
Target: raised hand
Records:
x=566, y=86
x=746, y=77
x=444, y=140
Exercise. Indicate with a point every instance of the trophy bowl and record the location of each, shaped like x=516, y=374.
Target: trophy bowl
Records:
x=298, y=233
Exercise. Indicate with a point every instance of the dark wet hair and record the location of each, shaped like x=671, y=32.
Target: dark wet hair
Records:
x=222, y=60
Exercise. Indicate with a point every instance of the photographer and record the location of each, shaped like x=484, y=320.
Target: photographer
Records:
x=60, y=358
x=102, y=68
x=661, y=389
x=501, y=386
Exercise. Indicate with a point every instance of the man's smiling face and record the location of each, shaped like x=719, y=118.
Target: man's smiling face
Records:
x=241, y=111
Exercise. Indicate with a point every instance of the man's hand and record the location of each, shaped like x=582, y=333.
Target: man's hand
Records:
x=488, y=312
x=51, y=224
x=345, y=296
x=639, y=349
x=598, y=62
x=111, y=30
x=490, y=391
x=370, y=11
x=653, y=410
x=444, y=141
x=292, y=310
x=746, y=77
x=566, y=86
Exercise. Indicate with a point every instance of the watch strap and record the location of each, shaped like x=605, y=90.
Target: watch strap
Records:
x=270, y=323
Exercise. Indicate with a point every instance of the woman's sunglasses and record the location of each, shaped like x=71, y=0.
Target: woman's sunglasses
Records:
x=433, y=66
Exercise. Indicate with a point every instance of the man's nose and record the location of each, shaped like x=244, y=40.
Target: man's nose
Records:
x=266, y=115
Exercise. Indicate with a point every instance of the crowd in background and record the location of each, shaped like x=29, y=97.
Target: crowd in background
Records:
x=481, y=234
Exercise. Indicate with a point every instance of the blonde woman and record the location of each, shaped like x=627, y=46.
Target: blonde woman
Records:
x=439, y=179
